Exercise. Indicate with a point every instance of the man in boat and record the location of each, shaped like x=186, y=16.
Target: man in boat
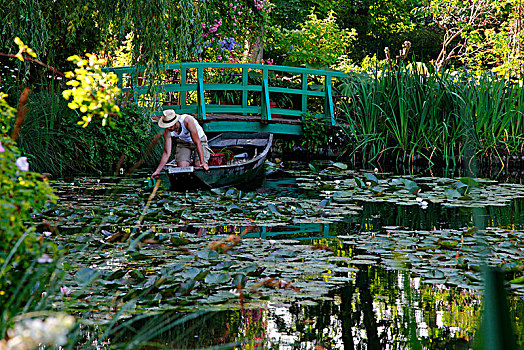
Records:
x=189, y=137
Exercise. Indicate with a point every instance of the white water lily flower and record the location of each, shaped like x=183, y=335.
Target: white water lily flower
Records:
x=44, y=259
x=418, y=199
x=22, y=164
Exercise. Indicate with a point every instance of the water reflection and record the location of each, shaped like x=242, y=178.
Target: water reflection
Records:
x=377, y=308
x=380, y=309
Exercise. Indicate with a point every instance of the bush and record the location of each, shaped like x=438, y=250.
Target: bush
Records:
x=318, y=42
x=58, y=145
x=23, y=253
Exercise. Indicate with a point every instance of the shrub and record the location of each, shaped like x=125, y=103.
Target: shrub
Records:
x=318, y=42
x=23, y=253
x=58, y=145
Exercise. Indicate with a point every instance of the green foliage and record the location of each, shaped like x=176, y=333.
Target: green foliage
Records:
x=56, y=144
x=22, y=194
x=317, y=42
x=94, y=92
x=56, y=29
x=415, y=114
x=315, y=132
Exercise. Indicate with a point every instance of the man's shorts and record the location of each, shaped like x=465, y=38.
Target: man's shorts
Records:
x=185, y=149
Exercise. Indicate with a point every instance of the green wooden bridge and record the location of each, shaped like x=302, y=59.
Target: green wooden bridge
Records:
x=234, y=96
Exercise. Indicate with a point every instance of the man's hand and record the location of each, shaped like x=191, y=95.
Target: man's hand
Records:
x=205, y=166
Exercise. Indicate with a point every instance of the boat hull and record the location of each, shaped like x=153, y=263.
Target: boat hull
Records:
x=192, y=178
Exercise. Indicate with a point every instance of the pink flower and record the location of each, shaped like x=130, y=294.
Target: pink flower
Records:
x=203, y=26
x=22, y=164
x=65, y=291
x=219, y=57
x=239, y=13
x=2, y=149
x=230, y=5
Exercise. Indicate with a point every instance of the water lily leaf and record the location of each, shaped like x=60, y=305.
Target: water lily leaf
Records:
x=239, y=279
x=461, y=187
x=207, y=254
x=217, y=278
x=518, y=280
x=370, y=177
x=359, y=182
x=314, y=167
x=86, y=275
x=179, y=241
x=137, y=275
x=116, y=275
x=273, y=209
x=468, y=181
x=186, y=287
x=195, y=273
x=452, y=193
x=411, y=186
x=283, y=253
x=224, y=265
x=233, y=208
x=341, y=166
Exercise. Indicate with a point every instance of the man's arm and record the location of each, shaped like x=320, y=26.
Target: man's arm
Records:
x=165, y=155
x=190, y=126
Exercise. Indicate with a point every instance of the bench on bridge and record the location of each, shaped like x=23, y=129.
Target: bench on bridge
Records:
x=202, y=88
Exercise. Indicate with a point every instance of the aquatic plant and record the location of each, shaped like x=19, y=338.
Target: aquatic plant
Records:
x=410, y=114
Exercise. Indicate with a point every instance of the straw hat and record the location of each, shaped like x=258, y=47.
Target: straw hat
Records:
x=169, y=118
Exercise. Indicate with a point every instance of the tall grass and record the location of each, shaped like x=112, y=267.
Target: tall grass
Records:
x=411, y=114
x=56, y=144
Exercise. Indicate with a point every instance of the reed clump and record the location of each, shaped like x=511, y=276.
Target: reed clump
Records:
x=409, y=114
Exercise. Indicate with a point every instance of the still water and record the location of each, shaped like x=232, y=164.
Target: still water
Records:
x=404, y=275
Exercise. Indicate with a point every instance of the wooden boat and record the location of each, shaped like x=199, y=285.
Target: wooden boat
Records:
x=246, y=155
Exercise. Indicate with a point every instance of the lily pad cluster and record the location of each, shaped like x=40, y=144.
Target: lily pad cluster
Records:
x=170, y=272
x=346, y=186
x=450, y=257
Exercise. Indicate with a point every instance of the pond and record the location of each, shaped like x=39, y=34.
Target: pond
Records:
x=318, y=257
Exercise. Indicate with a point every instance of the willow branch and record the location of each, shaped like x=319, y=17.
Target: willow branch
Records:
x=36, y=61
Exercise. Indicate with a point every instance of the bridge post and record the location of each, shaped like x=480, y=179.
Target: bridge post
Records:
x=304, y=93
x=266, y=109
x=328, y=102
x=201, y=102
x=245, y=75
x=183, y=82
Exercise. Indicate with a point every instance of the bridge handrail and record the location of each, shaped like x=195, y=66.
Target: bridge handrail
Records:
x=201, y=107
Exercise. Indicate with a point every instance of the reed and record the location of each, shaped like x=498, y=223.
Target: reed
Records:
x=410, y=114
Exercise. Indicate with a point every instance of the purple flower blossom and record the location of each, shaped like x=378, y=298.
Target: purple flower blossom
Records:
x=228, y=44
x=230, y=5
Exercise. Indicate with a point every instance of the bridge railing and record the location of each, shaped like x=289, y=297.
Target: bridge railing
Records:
x=193, y=88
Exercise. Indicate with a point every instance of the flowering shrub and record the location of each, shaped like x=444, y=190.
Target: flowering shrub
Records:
x=22, y=193
x=233, y=27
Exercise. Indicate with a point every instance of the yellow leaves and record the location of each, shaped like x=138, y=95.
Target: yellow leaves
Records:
x=93, y=91
x=23, y=48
